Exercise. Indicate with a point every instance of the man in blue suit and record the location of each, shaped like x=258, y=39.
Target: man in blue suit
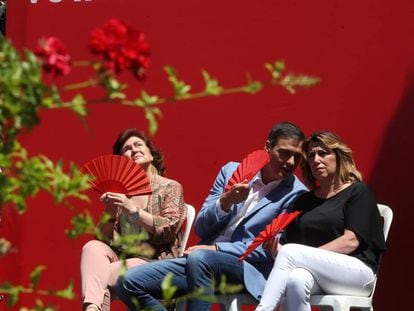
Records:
x=227, y=223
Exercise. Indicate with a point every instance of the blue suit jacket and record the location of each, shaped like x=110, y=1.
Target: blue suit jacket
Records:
x=209, y=224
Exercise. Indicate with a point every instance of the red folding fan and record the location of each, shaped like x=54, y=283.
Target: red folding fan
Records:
x=115, y=173
x=279, y=223
x=248, y=167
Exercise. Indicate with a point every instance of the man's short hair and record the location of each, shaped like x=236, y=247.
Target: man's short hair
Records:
x=284, y=130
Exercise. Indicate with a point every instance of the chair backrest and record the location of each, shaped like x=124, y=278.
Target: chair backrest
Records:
x=387, y=214
x=188, y=224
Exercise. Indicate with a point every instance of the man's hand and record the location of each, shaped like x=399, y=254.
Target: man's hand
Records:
x=272, y=246
x=196, y=247
x=237, y=194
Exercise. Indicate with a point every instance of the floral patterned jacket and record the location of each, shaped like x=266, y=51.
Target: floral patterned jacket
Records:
x=166, y=204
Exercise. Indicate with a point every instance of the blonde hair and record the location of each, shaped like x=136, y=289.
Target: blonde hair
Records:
x=346, y=169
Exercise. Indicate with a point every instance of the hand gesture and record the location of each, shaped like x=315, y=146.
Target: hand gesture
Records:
x=272, y=245
x=196, y=247
x=237, y=194
x=114, y=200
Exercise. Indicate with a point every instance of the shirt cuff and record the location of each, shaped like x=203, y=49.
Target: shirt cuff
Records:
x=220, y=211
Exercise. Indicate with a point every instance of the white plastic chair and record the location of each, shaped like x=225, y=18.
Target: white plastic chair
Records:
x=189, y=223
x=345, y=303
x=336, y=302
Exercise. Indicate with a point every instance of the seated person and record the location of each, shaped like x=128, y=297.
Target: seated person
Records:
x=334, y=245
x=227, y=223
x=161, y=214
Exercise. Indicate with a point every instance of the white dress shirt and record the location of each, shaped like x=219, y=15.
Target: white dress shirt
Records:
x=257, y=192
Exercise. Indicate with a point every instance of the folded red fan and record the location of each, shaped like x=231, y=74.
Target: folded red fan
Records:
x=278, y=224
x=115, y=173
x=248, y=167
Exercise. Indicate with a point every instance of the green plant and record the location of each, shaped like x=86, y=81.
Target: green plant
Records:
x=24, y=92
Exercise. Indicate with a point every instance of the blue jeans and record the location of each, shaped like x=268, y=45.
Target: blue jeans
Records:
x=202, y=269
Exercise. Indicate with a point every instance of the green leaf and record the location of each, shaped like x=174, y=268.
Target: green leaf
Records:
x=291, y=81
x=112, y=86
x=13, y=297
x=280, y=65
x=170, y=71
x=181, y=89
x=12, y=291
x=225, y=288
x=82, y=224
x=252, y=87
x=147, y=99
x=66, y=293
x=132, y=243
x=5, y=246
x=276, y=69
x=78, y=105
x=212, y=86
x=35, y=275
x=39, y=307
x=20, y=82
x=139, y=102
x=151, y=115
x=29, y=175
x=168, y=289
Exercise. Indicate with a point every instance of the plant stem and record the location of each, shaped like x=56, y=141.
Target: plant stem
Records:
x=79, y=85
x=82, y=63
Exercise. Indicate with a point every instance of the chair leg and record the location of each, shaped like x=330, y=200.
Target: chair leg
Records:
x=229, y=303
x=234, y=304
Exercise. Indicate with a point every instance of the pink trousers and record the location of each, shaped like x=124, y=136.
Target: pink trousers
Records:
x=100, y=268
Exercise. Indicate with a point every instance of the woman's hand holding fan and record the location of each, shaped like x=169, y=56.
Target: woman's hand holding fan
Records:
x=272, y=245
x=114, y=199
x=110, y=207
x=279, y=223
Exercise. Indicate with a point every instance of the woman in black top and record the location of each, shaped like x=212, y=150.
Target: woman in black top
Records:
x=334, y=245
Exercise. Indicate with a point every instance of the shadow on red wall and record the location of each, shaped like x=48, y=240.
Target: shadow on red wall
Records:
x=392, y=182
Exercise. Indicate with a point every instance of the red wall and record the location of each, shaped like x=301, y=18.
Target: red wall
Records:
x=363, y=52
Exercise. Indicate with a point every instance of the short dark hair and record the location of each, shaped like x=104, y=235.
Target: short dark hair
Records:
x=157, y=162
x=284, y=129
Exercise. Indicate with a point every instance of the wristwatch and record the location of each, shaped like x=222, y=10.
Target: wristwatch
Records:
x=134, y=216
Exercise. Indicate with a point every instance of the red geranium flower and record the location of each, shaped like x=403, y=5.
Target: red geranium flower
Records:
x=55, y=59
x=121, y=47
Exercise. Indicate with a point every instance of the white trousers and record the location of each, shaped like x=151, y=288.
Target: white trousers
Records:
x=300, y=271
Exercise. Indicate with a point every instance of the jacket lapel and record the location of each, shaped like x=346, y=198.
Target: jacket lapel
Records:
x=271, y=197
